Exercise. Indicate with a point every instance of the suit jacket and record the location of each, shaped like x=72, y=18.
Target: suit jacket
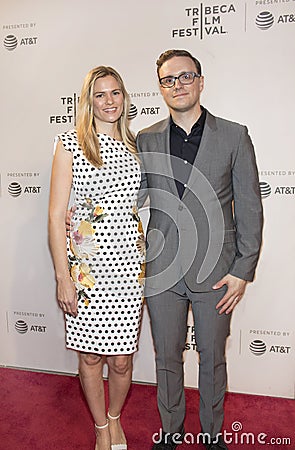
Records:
x=216, y=227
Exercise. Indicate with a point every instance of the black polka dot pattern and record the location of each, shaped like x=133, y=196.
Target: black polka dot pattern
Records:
x=104, y=259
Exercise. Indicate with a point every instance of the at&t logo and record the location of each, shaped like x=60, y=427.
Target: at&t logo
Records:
x=265, y=189
x=151, y=110
x=22, y=327
x=11, y=42
x=264, y=20
x=15, y=189
x=258, y=348
x=132, y=112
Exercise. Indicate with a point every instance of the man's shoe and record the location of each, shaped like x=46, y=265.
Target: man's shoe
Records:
x=169, y=441
x=163, y=446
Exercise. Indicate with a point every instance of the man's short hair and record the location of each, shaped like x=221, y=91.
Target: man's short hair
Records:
x=168, y=54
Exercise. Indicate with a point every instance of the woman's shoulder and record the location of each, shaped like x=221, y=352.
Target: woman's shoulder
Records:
x=68, y=138
x=69, y=135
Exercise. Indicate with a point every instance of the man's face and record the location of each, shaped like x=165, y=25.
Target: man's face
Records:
x=181, y=97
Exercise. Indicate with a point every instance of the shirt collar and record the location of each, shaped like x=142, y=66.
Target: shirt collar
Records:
x=199, y=123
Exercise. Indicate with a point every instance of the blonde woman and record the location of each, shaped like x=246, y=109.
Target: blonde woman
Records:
x=99, y=267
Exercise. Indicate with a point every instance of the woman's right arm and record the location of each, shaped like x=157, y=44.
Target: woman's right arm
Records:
x=60, y=188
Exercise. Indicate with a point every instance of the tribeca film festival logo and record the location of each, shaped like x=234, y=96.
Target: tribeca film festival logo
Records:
x=11, y=41
x=205, y=20
x=265, y=19
x=235, y=436
x=70, y=106
x=191, y=343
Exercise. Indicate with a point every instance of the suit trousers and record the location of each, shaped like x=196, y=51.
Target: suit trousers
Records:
x=168, y=314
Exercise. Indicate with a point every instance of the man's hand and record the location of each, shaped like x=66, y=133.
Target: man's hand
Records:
x=235, y=290
x=69, y=216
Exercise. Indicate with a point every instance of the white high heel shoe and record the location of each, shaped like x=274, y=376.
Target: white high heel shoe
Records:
x=117, y=446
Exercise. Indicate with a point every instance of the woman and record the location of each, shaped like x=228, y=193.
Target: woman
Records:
x=99, y=271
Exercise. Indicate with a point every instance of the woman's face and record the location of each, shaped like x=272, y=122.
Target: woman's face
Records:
x=108, y=100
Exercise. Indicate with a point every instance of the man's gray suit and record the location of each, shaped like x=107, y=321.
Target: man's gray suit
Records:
x=194, y=241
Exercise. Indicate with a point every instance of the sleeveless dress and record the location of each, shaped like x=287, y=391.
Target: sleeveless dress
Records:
x=105, y=250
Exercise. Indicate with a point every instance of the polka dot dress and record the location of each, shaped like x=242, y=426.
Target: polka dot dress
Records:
x=105, y=250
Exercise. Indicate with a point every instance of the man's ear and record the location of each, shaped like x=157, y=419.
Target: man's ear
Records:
x=202, y=83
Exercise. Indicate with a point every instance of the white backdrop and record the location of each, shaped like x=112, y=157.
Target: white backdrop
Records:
x=247, y=52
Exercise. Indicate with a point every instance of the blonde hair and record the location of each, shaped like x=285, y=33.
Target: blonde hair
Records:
x=86, y=131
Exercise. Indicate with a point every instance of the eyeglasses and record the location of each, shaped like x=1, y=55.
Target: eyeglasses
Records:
x=184, y=78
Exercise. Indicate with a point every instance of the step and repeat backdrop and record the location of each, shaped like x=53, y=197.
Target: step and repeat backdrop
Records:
x=247, y=52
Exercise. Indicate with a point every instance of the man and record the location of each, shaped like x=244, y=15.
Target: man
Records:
x=204, y=238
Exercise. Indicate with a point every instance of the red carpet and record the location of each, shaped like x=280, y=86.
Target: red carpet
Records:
x=47, y=412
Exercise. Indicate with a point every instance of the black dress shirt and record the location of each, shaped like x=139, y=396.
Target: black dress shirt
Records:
x=185, y=148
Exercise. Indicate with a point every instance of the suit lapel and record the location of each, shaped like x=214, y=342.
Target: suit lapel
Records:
x=164, y=145
x=202, y=159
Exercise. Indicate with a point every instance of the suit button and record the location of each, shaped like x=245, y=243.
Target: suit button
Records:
x=180, y=208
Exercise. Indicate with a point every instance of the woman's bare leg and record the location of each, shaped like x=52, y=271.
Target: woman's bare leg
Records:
x=120, y=376
x=90, y=372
